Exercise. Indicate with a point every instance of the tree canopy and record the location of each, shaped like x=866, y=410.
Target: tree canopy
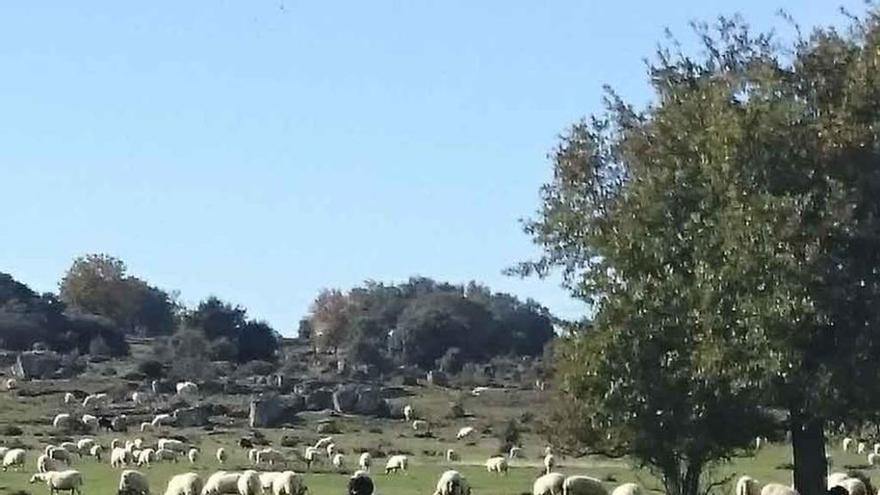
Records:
x=727, y=238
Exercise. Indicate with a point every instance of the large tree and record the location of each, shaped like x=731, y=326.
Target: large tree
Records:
x=98, y=284
x=728, y=237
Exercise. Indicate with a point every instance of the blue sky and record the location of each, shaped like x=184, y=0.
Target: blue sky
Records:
x=260, y=151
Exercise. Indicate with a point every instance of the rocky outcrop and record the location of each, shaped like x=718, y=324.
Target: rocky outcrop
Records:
x=437, y=378
x=272, y=410
x=317, y=400
x=37, y=364
x=358, y=399
x=192, y=416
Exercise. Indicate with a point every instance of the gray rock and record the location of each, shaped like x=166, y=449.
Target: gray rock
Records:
x=345, y=398
x=192, y=416
x=438, y=378
x=370, y=402
x=319, y=399
x=272, y=410
x=36, y=364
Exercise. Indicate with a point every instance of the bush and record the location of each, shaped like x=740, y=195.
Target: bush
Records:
x=151, y=368
x=451, y=361
x=509, y=436
x=11, y=431
x=456, y=409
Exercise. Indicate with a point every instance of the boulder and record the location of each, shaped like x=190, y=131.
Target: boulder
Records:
x=370, y=402
x=327, y=428
x=345, y=398
x=36, y=364
x=438, y=378
x=272, y=410
x=319, y=399
x=192, y=416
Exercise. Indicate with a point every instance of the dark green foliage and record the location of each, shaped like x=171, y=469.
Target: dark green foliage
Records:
x=509, y=436
x=228, y=333
x=151, y=369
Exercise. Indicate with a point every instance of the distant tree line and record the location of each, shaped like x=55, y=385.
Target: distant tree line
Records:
x=425, y=323
x=99, y=304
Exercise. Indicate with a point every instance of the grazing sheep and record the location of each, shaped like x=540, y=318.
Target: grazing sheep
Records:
x=777, y=489
x=627, y=489
x=187, y=389
x=549, y=463
x=311, y=455
x=46, y=464
x=266, y=479
x=162, y=420
x=862, y=447
x=270, y=457
x=338, y=461
x=154, y=386
x=758, y=442
x=396, y=463
x=288, y=483
x=583, y=485
x=69, y=398
x=184, y=484
x=145, y=457
x=365, y=461
x=70, y=447
x=193, y=455
x=221, y=455
x=834, y=479
x=70, y=480
x=167, y=455
x=408, y=412
x=464, y=432
x=11, y=384
x=95, y=452
x=14, y=458
x=548, y=484
x=90, y=421
x=249, y=483
x=252, y=456
x=451, y=455
x=746, y=485
x=854, y=486
x=146, y=425
x=331, y=450
x=119, y=457
x=323, y=442
x=877, y=448
x=172, y=444
x=119, y=423
x=134, y=483
x=420, y=425
x=515, y=452
x=139, y=398
x=874, y=459
x=116, y=442
x=497, y=465
x=548, y=450
x=58, y=454
x=221, y=482
x=452, y=483
x=360, y=483
x=847, y=443
x=96, y=400
x=62, y=421
x=84, y=445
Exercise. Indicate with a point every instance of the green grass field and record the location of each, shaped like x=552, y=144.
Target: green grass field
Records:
x=34, y=415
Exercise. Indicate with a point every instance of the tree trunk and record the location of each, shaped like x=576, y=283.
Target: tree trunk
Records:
x=808, y=446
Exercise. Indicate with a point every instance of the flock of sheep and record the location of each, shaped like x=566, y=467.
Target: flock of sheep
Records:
x=53, y=464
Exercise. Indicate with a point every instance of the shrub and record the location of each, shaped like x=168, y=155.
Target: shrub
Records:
x=509, y=436
x=456, y=409
x=151, y=368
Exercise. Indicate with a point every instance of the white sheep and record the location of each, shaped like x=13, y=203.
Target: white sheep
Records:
x=451, y=455
x=46, y=464
x=249, y=483
x=119, y=457
x=146, y=425
x=221, y=482
x=252, y=456
x=59, y=454
x=221, y=455
x=184, y=484
x=323, y=442
x=396, y=463
x=834, y=479
x=187, y=388
x=90, y=420
x=877, y=448
x=548, y=450
x=408, y=412
x=464, y=432
x=133, y=482
x=583, y=485
x=420, y=425
x=14, y=458
x=69, y=398
x=746, y=485
x=854, y=486
x=861, y=448
x=549, y=463
x=847, y=443
x=758, y=442
x=312, y=455
x=96, y=400
x=365, y=461
x=266, y=479
x=70, y=447
x=338, y=461
x=95, y=451
x=146, y=457
x=548, y=484
x=166, y=455
x=172, y=444
x=193, y=455
x=162, y=420
x=11, y=384
x=777, y=489
x=497, y=465
x=874, y=459
x=62, y=421
x=139, y=398
x=288, y=483
x=627, y=489
x=452, y=483
x=70, y=479
x=515, y=452
x=84, y=445
x=116, y=442
x=331, y=450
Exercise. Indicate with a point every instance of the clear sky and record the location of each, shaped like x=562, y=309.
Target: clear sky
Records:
x=262, y=150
